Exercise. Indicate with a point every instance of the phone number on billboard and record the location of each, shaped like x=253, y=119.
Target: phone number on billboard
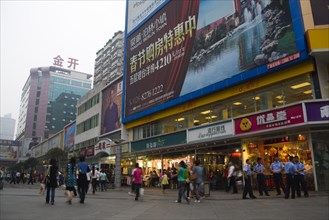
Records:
x=147, y=95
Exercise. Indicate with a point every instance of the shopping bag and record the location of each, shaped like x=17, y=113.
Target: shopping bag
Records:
x=141, y=191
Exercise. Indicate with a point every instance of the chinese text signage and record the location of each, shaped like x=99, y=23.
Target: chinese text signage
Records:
x=159, y=142
x=317, y=111
x=188, y=49
x=214, y=131
x=268, y=120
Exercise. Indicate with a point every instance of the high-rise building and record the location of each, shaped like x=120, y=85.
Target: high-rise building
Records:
x=107, y=76
x=7, y=127
x=109, y=60
x=48, y=102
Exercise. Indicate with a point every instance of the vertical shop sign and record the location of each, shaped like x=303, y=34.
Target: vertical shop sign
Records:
x=317, y=111
x=268, y=120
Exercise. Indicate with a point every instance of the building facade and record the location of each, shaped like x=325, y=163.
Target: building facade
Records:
x=48, y=103
x=109, y=60
x=91, y=129
x=240, y=85
x=7, y=127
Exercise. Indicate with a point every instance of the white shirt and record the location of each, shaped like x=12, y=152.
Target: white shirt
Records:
x=230, y=171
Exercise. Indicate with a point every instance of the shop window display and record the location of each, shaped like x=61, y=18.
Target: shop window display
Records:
x=282, y=147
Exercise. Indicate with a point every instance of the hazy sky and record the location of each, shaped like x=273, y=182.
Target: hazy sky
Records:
x=34, y=32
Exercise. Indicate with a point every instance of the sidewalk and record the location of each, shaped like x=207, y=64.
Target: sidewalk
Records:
x=23, y=202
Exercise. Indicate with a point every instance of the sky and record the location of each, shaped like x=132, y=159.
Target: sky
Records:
x=33, y=33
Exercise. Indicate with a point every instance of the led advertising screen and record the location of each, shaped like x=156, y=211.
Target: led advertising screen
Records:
x=111, y=107
x=192, y=48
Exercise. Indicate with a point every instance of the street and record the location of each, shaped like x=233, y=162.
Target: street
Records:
x=24, y=202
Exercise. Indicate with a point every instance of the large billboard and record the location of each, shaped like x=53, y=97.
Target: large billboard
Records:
x=188, y=49
x=139, y=10
x=111, y=107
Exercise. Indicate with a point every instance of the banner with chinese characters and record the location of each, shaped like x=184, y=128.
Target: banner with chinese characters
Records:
x=276, y=118
x=159, y=142
x=317, y=111
x=187, y=49
x=214, y=131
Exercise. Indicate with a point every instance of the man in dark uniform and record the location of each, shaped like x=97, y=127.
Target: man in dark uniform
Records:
x=247, y=178
x=276, y=168
x=290, y=170
x=259, y=169
x=299, y=177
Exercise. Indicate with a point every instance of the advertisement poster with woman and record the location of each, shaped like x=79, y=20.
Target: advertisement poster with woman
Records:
x=111, y=107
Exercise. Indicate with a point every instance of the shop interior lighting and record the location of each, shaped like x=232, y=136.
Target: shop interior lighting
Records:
x=205, y=112
x=209, y=117
x=300, y=85
x=256, y=98
x=308, y=92
x=237, y=150
x=237, y=103
x=279, y=97
x=196, y=121
x=180, y=119
x=280, y=101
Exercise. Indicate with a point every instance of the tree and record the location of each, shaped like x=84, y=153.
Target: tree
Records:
x=30, y=163
x=58, y=154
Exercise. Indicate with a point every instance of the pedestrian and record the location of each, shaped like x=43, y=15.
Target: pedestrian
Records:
x=188, y=181
x=259, y=170
x=290, y=170
x=94, y=177
x=299, y=178
x=51, y=183
x=70, y=179
x=13, y=178
x=247, y=184
x=197, y=179
x=181, y=177
x=137, y=179
x=88, y=174
x=164, y=181
x=31, y=179
x=102, y=180
x=277, y=168
x=83, y=169
x=231, y=178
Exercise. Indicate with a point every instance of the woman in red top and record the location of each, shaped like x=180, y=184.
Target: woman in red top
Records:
x=137, y=174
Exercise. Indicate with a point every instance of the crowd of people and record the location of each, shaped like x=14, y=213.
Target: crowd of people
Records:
x=78, y=178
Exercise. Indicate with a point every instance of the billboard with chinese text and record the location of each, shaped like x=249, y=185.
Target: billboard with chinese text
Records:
x=188, y=49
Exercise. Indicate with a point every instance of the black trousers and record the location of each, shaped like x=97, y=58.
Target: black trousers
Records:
x=300, y=182
x=82, y=186
x=232, y=184
x=247, y=188
x=290, y=184
x=278, y=181
x=261, y=184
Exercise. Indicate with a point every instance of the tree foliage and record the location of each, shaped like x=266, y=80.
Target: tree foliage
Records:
x=58, y=154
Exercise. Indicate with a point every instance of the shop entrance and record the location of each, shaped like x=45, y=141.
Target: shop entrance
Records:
x=214, y=161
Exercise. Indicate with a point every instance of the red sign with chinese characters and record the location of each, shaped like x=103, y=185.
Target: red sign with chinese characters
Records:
x=284, y=60
x=58, y=61
x=272, y=119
